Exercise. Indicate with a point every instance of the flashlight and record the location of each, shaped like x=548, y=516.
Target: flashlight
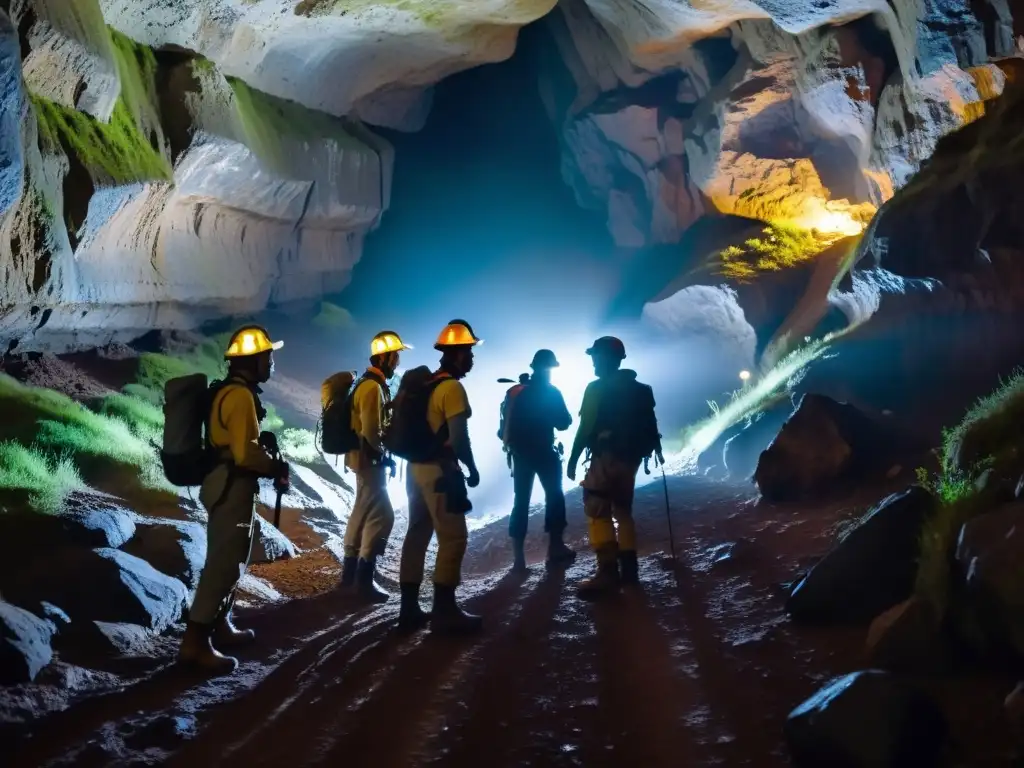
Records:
x=744, y=375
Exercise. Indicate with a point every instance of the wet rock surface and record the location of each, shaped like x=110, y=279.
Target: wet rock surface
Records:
x=871, y=569
x=866, y=718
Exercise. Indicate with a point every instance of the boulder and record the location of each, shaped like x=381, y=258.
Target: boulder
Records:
x=101, y=585
x=269, y=544
x=990, y=560
x=871, y=569
x=86, y=524
x=866, y=719
x=908, y=638
x=821, y=444
x=743, y=449
x=24, y=644
x=174, y=547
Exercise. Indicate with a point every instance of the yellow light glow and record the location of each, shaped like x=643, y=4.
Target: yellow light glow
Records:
x=833, y=222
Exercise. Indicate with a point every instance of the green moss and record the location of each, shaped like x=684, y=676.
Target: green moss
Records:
x=120, y=151
x=991, y=430
x=299, y=445
x=47, y=478
x=275, y=128
x=781, y=247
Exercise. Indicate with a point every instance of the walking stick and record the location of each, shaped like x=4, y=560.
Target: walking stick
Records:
x=668, y=515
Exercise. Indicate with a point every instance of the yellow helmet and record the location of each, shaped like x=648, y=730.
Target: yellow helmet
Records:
x=250, y=340
x=458, y=333
x=387, y=341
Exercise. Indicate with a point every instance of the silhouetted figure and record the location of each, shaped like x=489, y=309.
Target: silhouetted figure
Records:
x=532, y=411
x=619, y=430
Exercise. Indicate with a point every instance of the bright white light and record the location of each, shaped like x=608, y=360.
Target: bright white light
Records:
x=744, y=375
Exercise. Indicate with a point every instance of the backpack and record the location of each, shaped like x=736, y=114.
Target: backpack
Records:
x=626, y=424
x=505, y=415
x=186, y=454
x=335, y=426
x=408, y=434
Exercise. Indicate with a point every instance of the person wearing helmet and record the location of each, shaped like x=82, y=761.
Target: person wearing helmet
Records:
x=619, y=429
x=533, y=411
x=373, y=517
x=438, y=501
x=243, y=455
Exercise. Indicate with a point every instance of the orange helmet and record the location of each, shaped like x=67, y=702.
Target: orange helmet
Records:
x=458, y=333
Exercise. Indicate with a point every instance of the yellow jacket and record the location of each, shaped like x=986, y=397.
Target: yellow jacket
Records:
x=367, y=419
x=233, y=424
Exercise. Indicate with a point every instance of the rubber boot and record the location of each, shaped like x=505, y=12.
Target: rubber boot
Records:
x=447, y=618
x=365, y=588
x=518, y=556
x=197, y=651
x=349, y=566
x=630, y=568
x=605, y=580
x=227, y=635
x=411, y=617
x=559, y=555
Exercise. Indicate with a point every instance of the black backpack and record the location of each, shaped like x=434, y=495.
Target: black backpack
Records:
x=336, y=394
x=626, y=424
x=408, y=435
x=186, y=455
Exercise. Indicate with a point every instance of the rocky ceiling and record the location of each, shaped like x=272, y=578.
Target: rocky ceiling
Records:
x=165, y=161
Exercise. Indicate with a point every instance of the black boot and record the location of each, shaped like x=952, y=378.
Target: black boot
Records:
x=410, y=616
x=447, y=618
x=559, y=555
x=518, y=556
x=629, y=566
x=606, y=580
x=349, y=566
x=365, y=588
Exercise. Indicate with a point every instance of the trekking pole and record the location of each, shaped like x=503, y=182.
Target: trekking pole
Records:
x=668, y=516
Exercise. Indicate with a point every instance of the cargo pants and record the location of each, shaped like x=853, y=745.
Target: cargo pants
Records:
x=231, y=505
x=373, y=517
x=608, y=490
x=431, y=511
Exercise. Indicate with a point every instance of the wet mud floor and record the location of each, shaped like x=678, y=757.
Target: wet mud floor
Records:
x=699, y=667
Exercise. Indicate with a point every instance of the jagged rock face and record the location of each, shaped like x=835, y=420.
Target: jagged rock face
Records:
x=807, y=112
x=166, y=161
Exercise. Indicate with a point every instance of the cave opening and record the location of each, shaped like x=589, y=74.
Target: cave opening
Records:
x=481, y=222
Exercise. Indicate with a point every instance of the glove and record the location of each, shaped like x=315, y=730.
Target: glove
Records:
x=570, y=471
x=474, y=478
x=268, y=441
x=282, y=476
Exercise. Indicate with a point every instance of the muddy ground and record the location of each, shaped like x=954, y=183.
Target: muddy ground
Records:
x=697, y=668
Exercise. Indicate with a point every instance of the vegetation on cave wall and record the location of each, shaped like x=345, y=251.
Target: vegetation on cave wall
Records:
x=127, y=149
x=988, y=438
x=781, y=246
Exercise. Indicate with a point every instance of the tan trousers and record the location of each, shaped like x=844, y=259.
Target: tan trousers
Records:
x=608, y=490
x=373, y=517
x=229, y=532
x=428, y=513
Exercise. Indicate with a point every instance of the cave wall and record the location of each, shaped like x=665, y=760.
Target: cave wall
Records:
x=811, y=113
x=175, y=160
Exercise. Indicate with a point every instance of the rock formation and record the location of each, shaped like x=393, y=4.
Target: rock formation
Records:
x=165, y=162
